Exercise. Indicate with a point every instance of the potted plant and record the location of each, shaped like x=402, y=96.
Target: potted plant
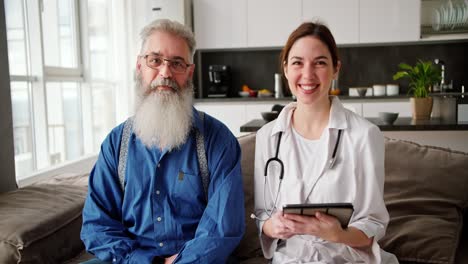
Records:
x=421, y=78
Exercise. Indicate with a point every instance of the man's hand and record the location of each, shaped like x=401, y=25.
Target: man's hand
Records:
x=277, y=226
x=170, y=259
x=321, y=225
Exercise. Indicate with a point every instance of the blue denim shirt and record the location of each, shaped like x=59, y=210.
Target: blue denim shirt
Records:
x=164, y=210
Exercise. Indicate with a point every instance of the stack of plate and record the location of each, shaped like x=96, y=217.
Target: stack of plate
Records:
x=450, y=15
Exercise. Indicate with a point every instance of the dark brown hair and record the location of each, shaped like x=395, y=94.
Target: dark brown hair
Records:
x=317, y=30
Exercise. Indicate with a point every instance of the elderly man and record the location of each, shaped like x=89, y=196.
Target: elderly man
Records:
x=163, y=208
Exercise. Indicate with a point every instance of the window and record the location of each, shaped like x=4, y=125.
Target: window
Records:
x=63, y=86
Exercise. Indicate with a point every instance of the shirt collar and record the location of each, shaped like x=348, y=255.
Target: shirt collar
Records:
x=197, y=122
x=337, y=119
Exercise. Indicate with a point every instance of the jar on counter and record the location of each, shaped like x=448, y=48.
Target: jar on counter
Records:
x=334, y=90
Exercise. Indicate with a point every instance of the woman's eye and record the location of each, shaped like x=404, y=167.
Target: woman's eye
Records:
x=296, y=63
x=321, y=63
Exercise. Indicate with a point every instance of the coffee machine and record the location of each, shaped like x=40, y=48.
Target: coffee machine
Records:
x=220, y=80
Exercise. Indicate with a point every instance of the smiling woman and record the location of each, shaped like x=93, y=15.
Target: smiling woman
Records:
x=308, y=143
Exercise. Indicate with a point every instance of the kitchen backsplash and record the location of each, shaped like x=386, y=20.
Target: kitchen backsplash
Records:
x=361, y=66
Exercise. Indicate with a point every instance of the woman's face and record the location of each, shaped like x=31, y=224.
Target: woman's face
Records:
x=310, y=70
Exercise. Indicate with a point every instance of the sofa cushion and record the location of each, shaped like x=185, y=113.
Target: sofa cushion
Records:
x=41, y=223
x=425, y=193
x=249, y=247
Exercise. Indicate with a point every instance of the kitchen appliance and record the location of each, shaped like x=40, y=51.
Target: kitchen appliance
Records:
x=220, y=80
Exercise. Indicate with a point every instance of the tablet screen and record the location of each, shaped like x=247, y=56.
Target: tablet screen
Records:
x=342, y=211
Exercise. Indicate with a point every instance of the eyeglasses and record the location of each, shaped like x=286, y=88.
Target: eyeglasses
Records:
x=176, y=65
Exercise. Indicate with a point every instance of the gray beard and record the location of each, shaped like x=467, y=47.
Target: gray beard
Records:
x=163, y=119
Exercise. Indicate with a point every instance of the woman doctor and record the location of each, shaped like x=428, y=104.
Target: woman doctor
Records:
x=303, y=140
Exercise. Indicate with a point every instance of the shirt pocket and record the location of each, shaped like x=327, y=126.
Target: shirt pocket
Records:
x=188, y=194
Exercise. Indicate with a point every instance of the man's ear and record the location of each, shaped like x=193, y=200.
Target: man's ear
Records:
x=138, y=65
x=191, y=70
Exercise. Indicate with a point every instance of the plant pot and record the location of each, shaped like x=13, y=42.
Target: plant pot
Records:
x=422, y=108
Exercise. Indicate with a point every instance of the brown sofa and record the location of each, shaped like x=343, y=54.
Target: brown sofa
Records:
x=426, y=192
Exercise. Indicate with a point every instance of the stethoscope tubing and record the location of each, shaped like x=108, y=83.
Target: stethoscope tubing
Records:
x=271, y=211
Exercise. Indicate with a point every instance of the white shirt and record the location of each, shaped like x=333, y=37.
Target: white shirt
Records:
x=357, y=177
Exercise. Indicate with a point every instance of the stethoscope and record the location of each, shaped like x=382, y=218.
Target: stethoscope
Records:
x=272, y=210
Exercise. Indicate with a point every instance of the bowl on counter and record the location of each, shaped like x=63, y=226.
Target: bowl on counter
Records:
x=244, y=94
x=270, y=116
x=265, y=94
x=388, y=117
x=360, y=91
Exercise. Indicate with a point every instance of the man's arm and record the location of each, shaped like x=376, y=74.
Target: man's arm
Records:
x=222, y=224
x=102, y=232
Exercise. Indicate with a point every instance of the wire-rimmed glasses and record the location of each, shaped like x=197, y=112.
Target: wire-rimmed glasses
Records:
x=155, y=61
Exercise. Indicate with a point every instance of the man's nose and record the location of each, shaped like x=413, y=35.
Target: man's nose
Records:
x=164, y=70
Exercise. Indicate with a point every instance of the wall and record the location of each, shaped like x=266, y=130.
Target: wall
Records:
x=7, y=161
x=362, y=66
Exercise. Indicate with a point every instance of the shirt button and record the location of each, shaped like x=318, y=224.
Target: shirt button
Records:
x=159, y=165
x=159, y=219
x=158, y=192
x=161, y=244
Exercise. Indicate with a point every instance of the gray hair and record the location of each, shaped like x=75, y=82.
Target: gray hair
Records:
x=172, y=27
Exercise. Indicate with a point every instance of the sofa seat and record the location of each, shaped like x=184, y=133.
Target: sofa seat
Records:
x=41, y=223
x=426, y=194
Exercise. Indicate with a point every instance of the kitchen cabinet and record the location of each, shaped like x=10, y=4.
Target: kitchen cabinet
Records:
x=236, y=114
x=231, y=114
x=220, y=23
x=389, y=21
x=271, y=21
x=254, y=111
x=462, y=113
x=343, y=21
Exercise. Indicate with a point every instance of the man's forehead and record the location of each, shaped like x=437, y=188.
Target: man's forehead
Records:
x=166, y=44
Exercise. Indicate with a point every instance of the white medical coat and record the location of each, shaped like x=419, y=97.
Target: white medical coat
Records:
x=357, y=177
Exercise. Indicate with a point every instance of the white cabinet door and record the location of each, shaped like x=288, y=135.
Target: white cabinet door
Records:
x=254, y=110
x=463, y=113
x=220, y=23
x=389, y=21
x=271, y=21
x=231, y=114
x=370, y=109
x=341, y=16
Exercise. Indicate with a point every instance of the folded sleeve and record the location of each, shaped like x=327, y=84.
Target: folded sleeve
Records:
x=371, y=215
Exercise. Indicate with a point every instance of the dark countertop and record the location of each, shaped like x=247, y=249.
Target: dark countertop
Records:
x=290, y=99
x=401, y=124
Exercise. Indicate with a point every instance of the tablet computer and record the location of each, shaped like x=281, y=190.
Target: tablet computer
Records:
x=342, y=211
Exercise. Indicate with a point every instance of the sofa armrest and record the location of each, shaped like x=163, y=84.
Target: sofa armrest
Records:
x=41, y=223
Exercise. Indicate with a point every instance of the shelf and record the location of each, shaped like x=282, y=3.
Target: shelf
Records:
x=428, y=30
